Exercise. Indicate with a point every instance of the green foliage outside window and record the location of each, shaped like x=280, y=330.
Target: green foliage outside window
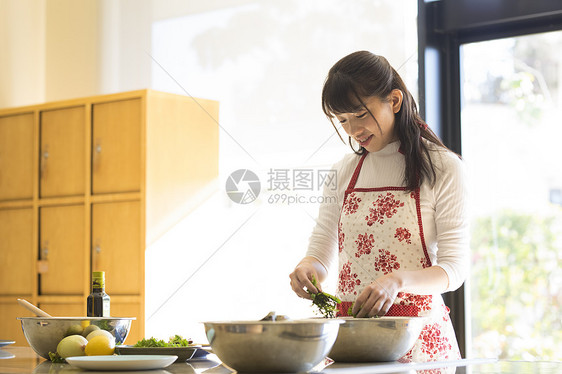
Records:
x=516, y=285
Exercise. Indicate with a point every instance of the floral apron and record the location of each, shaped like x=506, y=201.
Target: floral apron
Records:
x=380, y=230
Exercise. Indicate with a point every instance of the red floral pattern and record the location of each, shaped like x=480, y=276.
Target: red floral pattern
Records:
x=425, y=262
x=364, y=244
x=392, y=217
x=347, y=280
x=446, y=312
x=341, y=237
x=386, y=262
x=351, y=204
x=422, y=302
x=384, y=206
x=402, y=234
x=434, y=344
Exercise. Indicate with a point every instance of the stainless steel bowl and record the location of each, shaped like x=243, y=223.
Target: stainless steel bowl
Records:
x=272, y=346
x=44, y=334
x=375, y=339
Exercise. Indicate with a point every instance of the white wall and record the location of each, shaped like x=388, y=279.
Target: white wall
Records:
x=61, y=49
x=22, y=61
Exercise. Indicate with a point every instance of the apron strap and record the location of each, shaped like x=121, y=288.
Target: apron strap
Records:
x=353, y=180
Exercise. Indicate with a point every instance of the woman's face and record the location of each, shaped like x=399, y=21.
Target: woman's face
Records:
x=362, y=126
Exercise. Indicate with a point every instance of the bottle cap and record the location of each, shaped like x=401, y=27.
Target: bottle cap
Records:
x=98, y=279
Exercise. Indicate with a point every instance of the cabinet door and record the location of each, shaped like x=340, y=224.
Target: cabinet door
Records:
x=10, y=327
x=64, y=309
x=116, y=147
x=62, y=152
x=16, y=157
x=116, y=246
x=16, y=252
x=62, y=247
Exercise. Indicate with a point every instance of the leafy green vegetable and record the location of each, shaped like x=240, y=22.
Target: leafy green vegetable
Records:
x=350, y=312
x=55, y=358
x=152, y=342
x=179, y=341
x=174, y=341
x=326, y=303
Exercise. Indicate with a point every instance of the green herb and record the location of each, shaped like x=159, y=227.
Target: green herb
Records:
x=152, y=342
x=175, y=341
x=179, y=341
x=350, y=312
x=326, y=303
x=55, y=358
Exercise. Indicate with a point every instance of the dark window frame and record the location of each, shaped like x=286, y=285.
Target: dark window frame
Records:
x=443, y=26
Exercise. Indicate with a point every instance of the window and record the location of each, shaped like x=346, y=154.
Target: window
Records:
x=511, y=135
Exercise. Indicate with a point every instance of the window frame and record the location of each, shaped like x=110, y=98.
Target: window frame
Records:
x=443, y=27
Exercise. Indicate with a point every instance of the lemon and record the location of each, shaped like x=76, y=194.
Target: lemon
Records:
x=88, y=329
x=71, y=346
x=74, y=330
x=100, y=345
x=99, y=332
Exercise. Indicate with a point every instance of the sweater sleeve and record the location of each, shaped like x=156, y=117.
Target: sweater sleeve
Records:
x=452, y=219
x=323, y=242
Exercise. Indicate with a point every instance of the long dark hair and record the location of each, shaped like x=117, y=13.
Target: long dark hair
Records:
x=363, y=74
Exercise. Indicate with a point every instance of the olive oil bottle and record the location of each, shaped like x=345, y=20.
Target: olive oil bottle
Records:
x=98, y=300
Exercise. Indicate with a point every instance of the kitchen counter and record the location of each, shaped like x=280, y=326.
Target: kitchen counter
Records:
x=24, y=360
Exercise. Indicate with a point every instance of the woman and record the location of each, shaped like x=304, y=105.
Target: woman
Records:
x=400, y=228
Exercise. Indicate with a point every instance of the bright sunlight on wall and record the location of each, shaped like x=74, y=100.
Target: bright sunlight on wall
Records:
x=265, y=63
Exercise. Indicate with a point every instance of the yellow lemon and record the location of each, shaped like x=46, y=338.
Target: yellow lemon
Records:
x=99, y=332
x=100, y=345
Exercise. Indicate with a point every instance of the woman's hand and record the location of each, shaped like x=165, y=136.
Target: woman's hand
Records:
x=301, y=277
x=377, y=298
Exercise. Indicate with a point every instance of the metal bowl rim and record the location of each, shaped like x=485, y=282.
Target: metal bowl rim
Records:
x=383, y=318
x=278, y=323
x=77, y=318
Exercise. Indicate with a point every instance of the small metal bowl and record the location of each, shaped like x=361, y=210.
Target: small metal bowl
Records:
x=44, y=333
x=272, y=346
x=375, y=339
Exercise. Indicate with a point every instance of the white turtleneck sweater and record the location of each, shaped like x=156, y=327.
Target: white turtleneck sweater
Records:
x=444, y=207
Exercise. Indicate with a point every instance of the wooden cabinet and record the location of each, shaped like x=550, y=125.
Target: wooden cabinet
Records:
x=116, y=147
x=64, y=309
x=16, y=251
x=16, y=156
x=85, y=184
x=115, y=241
x=61, y=236
x=10, y=326
x=63, y=153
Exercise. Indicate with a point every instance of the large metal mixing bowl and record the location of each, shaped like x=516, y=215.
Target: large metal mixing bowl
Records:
x=375, y=339
x=44, y=333
x=272, y=346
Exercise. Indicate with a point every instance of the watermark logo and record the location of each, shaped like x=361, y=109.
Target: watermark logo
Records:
x=243, y=186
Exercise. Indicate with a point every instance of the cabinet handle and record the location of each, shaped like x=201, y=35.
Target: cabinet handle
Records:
x=97, y=252
x=45, y=156
x=45, y=251
x=96, y=155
